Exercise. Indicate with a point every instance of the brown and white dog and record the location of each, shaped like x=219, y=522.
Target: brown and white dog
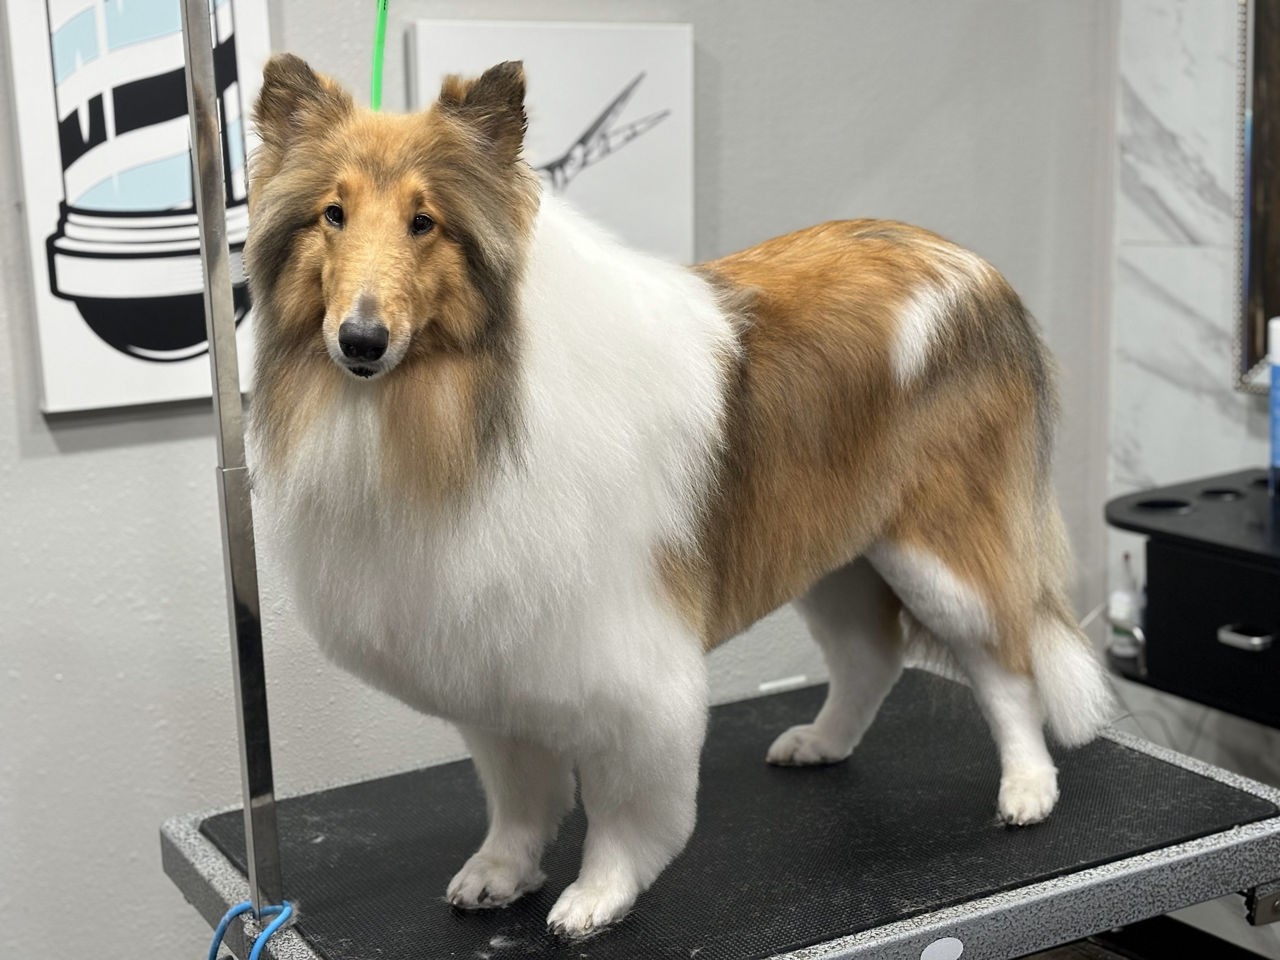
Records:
x=523, y=477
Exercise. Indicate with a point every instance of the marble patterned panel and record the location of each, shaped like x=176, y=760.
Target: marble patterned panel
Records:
x=1174, y=413
x=1219, y=738
x=1177, y=132
x=1224, y=918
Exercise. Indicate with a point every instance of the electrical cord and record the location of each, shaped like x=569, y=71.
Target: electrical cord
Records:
x=281, y=914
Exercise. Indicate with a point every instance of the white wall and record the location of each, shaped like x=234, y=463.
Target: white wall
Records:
x=1174, y=413
x=988, y=121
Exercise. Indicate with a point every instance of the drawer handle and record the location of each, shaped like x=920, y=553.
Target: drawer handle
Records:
x=1233, y=635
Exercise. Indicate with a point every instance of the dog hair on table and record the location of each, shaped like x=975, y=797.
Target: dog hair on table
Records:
x=523, y=477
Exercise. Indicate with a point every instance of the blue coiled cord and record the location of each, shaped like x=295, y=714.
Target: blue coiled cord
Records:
x=281, y=914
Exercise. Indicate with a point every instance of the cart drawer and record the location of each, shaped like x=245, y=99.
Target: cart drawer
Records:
x=1213, y=630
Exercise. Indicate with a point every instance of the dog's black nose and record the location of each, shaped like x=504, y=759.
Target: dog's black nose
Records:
x=362, y=339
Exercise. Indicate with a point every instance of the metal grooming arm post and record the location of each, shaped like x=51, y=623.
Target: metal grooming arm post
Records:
x=209, y=186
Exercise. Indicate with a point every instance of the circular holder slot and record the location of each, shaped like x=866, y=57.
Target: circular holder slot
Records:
x=1222, y=493
x=1165, y=505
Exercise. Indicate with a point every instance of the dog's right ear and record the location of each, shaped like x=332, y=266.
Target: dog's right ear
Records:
x=295, y=98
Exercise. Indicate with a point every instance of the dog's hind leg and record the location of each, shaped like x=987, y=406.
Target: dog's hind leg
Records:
x=986, y=646
x=1008, y=700
x=853, y=616
x=528, y=789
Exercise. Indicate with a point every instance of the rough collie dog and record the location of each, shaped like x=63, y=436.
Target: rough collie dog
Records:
x=524, y=477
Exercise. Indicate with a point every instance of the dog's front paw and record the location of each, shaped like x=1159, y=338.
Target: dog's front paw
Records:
x=487, y=881
x=584, y=909
x=806, y=746
x=1027, y=796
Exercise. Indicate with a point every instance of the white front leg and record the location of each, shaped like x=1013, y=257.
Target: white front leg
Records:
x=640, y=795
x=528, y=789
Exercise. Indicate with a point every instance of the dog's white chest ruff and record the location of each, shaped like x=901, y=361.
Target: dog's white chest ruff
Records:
x=452, y=615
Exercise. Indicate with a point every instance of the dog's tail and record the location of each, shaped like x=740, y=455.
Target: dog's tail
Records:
x=1068, y=675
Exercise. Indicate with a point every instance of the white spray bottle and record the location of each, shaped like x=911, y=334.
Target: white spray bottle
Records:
x=1274, y=359
x=1273, y=356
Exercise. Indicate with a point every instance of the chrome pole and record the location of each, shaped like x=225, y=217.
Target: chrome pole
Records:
x=240, y=564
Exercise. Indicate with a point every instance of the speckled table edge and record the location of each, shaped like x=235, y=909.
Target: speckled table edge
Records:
x=213, y=885
x=1004, y=925
x=1066, y=908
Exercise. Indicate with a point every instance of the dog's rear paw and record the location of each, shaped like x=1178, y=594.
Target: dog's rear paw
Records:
x=1027, y=796
x=584, y=909
x=487, y=881
x=805, y=746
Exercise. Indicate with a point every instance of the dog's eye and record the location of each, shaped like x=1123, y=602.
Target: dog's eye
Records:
x=333, y=213
x=421, y=224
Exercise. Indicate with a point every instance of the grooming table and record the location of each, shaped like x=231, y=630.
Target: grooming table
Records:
x=893, y=854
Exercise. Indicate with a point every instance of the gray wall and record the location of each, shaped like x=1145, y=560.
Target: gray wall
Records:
x=987, y=121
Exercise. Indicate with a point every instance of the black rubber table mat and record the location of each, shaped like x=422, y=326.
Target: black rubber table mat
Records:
x=781, y=857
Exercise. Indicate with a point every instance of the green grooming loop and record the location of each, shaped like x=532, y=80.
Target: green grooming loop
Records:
x=379, y=42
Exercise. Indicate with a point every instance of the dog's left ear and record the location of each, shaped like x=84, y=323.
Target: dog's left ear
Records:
x=492, y=105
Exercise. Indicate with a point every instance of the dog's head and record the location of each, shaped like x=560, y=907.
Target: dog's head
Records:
x=376, y=236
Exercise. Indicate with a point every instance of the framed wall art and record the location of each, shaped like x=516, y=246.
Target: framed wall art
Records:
x=610, y=109
x=106, y=173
